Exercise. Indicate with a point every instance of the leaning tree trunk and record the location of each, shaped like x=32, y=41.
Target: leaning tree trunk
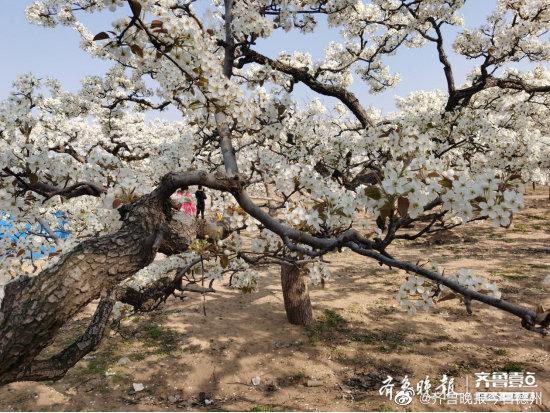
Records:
x=34, y=309
x=296, y=295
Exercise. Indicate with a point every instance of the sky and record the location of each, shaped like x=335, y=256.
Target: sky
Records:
x=26, y=48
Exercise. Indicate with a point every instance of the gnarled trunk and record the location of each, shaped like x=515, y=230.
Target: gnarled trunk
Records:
x=296, y=295
x=35, y=308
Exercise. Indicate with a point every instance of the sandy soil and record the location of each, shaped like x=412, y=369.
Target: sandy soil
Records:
x=184, y=357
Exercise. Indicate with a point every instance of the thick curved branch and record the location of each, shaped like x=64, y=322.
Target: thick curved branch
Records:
x=157, y=292
x=447, y=68
x=302, y=75
x=34, y=309
x=517, y=84
x=462, y=97
x=48, y=191
x=224, y=131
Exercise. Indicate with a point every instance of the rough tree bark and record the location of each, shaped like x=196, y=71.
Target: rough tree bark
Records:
x=35, y=308
x=55, y=367
x=296, y=295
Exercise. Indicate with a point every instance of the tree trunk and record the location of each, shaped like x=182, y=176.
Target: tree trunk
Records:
x=296, y=295
x=34, y=309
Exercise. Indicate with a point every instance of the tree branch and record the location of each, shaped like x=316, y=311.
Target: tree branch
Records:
x=528, y=317
x=302, y=75
x=157, y=292
x=224, y=131
x=49, y=191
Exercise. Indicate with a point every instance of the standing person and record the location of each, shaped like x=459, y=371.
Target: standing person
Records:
x=201, y=197
x=184, y=198
x=188, y=206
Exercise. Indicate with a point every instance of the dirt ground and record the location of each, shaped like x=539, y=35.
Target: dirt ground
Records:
x=189, y=361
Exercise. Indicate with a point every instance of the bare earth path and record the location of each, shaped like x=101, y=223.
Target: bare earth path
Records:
x=183, y=357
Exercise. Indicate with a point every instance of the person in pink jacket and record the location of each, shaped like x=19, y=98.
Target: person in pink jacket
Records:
x=187, y=204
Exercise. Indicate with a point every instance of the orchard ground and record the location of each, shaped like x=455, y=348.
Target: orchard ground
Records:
x=183, y=357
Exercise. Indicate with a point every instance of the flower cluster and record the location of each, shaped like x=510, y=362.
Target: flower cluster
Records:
x=245, y=280
x=158, y=269
x=318, y=272
x=420, y=294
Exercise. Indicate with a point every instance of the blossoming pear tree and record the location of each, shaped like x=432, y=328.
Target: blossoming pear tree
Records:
x=289, y=183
